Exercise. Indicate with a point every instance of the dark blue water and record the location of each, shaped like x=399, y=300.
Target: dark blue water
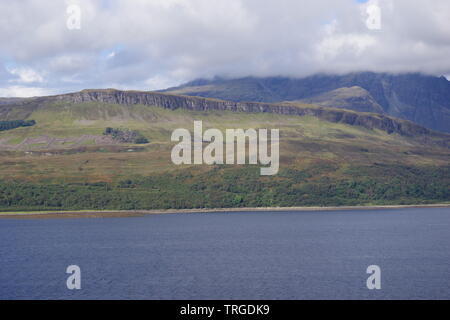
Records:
x=300, y=255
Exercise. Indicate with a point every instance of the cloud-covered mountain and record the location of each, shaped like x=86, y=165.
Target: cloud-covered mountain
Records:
x=419, y=98
x=354, y=98
x=154, y=44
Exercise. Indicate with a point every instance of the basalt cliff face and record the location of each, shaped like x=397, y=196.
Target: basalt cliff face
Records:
x=169, y=101
x=23, y=109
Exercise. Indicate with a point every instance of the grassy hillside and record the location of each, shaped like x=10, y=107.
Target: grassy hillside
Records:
x=65, y=162
x=354, y=98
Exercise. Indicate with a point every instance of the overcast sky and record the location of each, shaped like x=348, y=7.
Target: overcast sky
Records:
x=154, y=44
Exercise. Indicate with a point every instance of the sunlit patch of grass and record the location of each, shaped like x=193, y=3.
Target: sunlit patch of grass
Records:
x=15, y=140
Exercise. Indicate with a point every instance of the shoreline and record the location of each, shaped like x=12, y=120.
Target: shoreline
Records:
x=141, y=213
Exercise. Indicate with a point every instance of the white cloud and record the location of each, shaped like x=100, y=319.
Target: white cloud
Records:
x=23, y=92
x=150, y=43
x=334, y=45
x=25, y=75
x=157, y=82
x=68, y=63
x=111, y=55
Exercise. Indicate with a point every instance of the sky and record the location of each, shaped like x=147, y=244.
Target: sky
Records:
x=51, y=47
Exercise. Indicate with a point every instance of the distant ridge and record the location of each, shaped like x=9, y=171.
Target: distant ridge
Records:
x=416, y=97
x=354, y=98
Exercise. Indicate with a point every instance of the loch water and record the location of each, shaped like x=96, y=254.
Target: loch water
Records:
x=238, y=255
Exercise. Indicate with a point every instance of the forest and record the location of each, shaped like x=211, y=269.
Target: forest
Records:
x=226, y=187
x=13, y=124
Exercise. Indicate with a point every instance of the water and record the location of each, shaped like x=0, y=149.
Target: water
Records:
x=270, y=255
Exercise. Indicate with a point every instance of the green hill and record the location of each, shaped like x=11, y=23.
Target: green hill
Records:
x=354, y=98
x=327, y=156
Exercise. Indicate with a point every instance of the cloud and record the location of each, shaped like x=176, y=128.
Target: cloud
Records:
x=25, y=75
x=24, y=92
x=146, y=44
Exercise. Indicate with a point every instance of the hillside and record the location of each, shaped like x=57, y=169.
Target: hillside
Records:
x=25, y=108
x=10, y=100
x=354, y=98
x=419, y=98
x=328, y=156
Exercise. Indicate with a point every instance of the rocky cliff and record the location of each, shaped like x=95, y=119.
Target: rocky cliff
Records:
x=170, y=101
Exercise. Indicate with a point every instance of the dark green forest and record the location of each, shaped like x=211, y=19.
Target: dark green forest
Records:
x=13, y=124
x=126, y=135
x=226, y=187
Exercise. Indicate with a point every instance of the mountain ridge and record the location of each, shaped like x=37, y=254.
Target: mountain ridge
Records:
x=411, y=96
x=353, y=98
x=173, y=101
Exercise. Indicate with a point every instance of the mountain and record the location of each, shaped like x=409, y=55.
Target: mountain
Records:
x=24, y=109
x=416, y=97
x=66, y=160
x=354, y=98
x=10, y=100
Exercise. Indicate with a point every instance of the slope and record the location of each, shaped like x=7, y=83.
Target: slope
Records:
x=416, y=97
x=65, y=162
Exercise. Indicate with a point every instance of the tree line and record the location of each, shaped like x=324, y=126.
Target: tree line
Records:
x=228, y=187
x=13, y=124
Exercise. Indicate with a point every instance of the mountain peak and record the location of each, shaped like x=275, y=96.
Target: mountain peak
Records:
x=420, y=98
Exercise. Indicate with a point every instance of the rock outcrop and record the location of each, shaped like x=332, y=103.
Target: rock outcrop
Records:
x=169, y=101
